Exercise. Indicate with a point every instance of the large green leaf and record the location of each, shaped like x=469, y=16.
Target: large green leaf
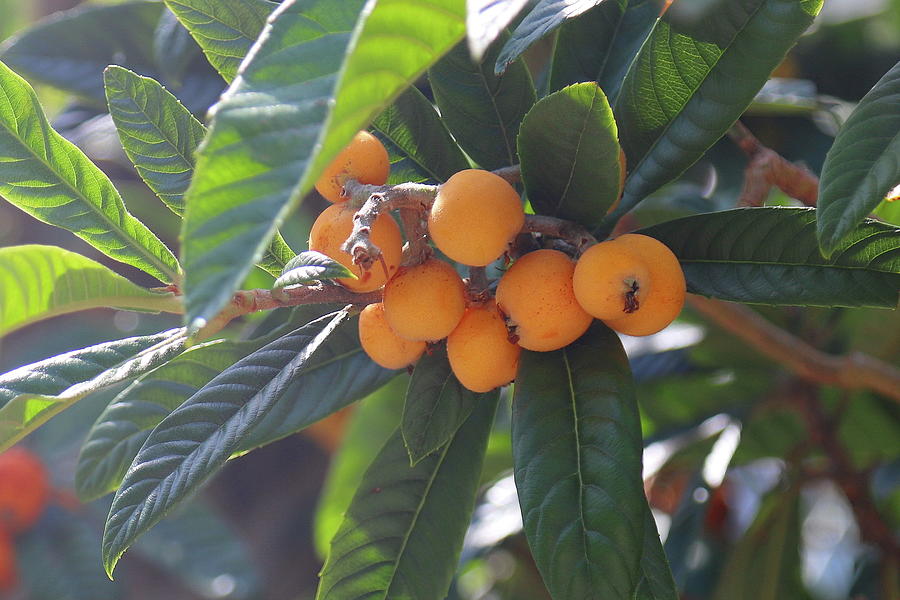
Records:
x=30, y=395
x=49, y=178
x=224, y=29
x=71, y=49
x=436, y=405
x=402, y=535
x=251, y=170
x=770, y=256
x=577, y=453
x=694, y=77
x=482, y=110
x=656, y=580
x=39, y=282
x=601, y=44
x=416, y=131
x=543, y=19
x=486, y=19
x=863, y=165
x=569, y=152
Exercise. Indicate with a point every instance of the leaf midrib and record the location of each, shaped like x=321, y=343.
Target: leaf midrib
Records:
x=587, y=117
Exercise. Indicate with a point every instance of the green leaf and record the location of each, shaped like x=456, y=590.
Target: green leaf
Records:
x=31, y=394
x=483, y=111
x=417, y=133
x=374, y=420
x=545, y=18
x=402, y=535
x=52, y=180
x=224, y=29
x=70, y=50
x=620, y=27
x=174, y=50
x=485, y=20
x=765, y=563
x=577, y=454
x=159, y=135
x=694, y=77
x=863, y=165
x=770, y=256
x=39, y=282
x=311, y=266
x=436, y=405
x=251, y=171
x=569, y=153
x=656, y=577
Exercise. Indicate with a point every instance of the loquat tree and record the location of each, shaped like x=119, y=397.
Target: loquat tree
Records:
x=503, y=188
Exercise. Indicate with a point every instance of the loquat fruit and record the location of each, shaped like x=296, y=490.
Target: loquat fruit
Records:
x=666, y=296
x=332, y=228
x=474, y=216
x=537, y=297
x=480, y=353
x=382, y=344
x=610, y=280
x=425, y=302
x=24, y=489
x=365, y=159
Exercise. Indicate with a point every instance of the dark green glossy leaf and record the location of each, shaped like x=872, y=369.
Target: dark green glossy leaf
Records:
x=173, y=48
x=482, y=110
x=863, y=165
x=771, y=256
x=56, y=50
x=694, y=77
x=543, y=19
x=48, y=177
x=656, y=577
x=402, y=535
x=485, y=20
x=577, y=453
x=31, y=394
x=601, y=44
x=224, y=29
x=417, y=133
x=569, y=153
x=39, y=282
x=251, y=171
x=311, y=266
x=436, y=405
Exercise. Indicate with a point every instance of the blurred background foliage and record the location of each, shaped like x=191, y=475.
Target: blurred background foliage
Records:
x=763, y=485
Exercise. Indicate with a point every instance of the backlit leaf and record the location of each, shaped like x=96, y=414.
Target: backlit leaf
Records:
x=485, y=20
x=311, y=266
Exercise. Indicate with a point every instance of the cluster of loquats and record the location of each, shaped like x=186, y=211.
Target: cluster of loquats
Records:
x=24, y=493
x=544, y=301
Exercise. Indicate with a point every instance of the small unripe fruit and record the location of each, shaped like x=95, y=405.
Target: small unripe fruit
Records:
x=666, y=297
x=382, y=344
x=480, y=353
x=332, y=228
x=364, y=159
x=537, y=297
x=610, y=281
x=24, y=489
x=425, y=302
x=474, y=216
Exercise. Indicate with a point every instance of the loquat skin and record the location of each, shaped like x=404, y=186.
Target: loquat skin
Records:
x=610, y=281
x=537, y=298
x=425, y=302
x=332, y=228
x=382, y=344
x=24, y=490
x=480, y=353
x=474, y=216
x=666, y=297
x=364, y=159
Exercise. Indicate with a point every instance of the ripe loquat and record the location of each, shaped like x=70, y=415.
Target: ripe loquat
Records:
x=666, y=296
x=480, y=353
x=536, y=296
x=364, y=159
x=425, y=302
x=382, y=344
x=332, y=228
x=610, y=281
x=24, y=489
x=474, y=216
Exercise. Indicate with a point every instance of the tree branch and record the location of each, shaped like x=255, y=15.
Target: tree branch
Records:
x=852, y=371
